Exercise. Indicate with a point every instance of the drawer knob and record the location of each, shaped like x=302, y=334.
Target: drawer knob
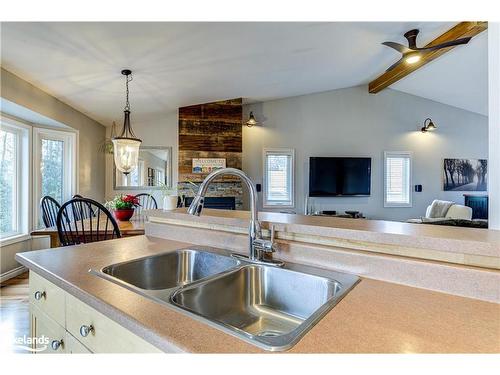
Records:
x=85, y=330
x=56, y=344
x=39, y=295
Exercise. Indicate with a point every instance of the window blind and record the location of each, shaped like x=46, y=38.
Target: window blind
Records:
x=278, y=189
x=397, y=179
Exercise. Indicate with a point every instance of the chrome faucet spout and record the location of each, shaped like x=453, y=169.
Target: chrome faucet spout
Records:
x=196, y=206
x=257, y=245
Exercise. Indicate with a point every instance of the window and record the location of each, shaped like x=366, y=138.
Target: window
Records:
x=9, y=156
x=279, y=178
x=14, y=179
x=29, y=170
x=54, y=167
x=397, y=179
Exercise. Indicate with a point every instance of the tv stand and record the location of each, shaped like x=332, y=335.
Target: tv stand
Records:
x=346, y=215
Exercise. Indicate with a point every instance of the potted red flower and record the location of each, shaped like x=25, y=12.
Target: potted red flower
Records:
x=123, y=206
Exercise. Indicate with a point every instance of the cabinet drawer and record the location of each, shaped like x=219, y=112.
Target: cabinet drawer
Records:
x=104, y=335
x=47, y=333
x=73, y=346
x=47, y=297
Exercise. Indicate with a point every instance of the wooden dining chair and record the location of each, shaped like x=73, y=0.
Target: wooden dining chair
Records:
x=87, y=212
x=49, y=208
x=147, y=202
x=74, y=228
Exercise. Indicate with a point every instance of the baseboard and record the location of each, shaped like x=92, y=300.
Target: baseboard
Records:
x=12, y=273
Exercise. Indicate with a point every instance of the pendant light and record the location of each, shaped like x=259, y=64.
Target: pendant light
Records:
x=126, y=145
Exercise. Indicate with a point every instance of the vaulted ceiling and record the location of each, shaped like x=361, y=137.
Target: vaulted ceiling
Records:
x=178, y=64
x=458, y=78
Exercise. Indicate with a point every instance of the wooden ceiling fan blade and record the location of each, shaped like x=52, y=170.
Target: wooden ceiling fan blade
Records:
x=447, y=44
x=395, y=64
x=398, y=47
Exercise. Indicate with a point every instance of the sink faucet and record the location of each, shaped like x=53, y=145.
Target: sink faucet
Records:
x=257, y=246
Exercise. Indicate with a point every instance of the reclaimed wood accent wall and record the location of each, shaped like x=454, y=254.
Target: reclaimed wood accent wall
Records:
x=211, y=130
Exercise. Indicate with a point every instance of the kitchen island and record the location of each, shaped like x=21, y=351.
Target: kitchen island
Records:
x=374, y=317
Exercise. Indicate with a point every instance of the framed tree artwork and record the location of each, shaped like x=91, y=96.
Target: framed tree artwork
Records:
x=465, y=174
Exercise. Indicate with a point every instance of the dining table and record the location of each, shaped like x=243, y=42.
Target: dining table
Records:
x=132, y=227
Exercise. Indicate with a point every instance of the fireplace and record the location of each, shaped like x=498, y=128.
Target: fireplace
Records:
x=211, y=131
x=220, y=203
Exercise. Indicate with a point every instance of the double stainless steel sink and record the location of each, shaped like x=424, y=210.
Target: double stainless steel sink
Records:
x=267, y=306
x=172, y=269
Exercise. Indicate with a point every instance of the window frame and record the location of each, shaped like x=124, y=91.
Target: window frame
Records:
x=70, y=176
x=278, y=204
x=401, y=154
x=23, y=179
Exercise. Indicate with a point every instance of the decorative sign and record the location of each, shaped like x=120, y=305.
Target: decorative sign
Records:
x=208, y=165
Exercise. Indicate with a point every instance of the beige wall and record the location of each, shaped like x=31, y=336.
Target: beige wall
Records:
x=352, y=122
x=91, y=161
x=494, y=125
x=158, y=130
x=8, y=265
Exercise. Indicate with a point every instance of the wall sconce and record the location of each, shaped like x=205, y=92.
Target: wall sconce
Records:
x=428, y=126
x=251, y=120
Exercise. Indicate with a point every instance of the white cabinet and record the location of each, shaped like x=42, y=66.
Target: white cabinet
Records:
x=48, y=334
x=62, y=323
x=46, y=296
x=99, y=333
x=73, y=346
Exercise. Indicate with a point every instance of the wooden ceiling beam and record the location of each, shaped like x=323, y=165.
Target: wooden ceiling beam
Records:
x=461, y=30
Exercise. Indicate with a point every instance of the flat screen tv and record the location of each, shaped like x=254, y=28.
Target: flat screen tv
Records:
x=334, y=176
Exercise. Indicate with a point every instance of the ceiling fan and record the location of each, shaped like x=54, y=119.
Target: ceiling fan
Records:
x=412, y=53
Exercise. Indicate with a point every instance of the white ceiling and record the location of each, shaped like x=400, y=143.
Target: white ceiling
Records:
x=458, y=78
x=178, y=64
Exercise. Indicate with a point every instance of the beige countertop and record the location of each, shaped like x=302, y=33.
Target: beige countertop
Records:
x=375, y=316
x=475, y=241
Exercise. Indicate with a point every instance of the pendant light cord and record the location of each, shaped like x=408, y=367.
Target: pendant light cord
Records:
x=128, y=79
x=127, y=131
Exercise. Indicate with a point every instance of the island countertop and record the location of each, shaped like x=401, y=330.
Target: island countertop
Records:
x=375, y=317
x=485, y=242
